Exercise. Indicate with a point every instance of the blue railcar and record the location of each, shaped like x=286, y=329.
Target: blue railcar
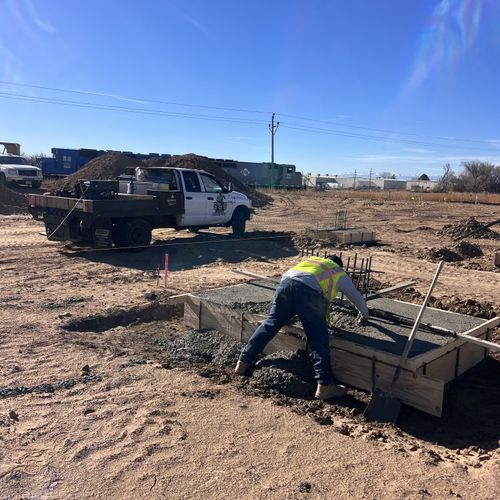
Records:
x=68, y=161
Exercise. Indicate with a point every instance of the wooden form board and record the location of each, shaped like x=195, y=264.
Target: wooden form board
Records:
x=422, y=380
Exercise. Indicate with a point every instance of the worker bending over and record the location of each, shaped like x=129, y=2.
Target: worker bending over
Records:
x=307, y=290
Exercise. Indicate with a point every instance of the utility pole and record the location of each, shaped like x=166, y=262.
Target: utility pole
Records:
x=370, y=183
x=354, y=183
x=273, y=127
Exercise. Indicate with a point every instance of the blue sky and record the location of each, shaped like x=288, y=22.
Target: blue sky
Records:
x=392, y=85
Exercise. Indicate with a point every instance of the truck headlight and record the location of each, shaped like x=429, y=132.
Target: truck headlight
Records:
x=12, y=171
x=39, y=173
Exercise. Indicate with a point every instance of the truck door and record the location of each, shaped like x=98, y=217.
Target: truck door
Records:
x=218, y=208
x=195, y=200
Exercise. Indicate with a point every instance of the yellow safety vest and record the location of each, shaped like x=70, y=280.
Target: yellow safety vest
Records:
x=325, y=271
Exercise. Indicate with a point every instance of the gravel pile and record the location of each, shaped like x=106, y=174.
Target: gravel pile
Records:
x=468, y=227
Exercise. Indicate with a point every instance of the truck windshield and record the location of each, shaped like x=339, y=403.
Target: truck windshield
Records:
x=13, y=160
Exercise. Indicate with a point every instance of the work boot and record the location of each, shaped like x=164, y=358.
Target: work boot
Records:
x=330, y=391
x=242, y=368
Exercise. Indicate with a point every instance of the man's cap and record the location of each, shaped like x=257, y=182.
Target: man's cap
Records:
x=335, y=258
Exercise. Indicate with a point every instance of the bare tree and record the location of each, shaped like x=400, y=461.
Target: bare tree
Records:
x=479, y=176
x=447, y=180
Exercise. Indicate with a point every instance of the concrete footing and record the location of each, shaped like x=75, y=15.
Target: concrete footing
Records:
x=363, y=357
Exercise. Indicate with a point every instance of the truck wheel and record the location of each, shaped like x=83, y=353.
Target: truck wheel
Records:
x=36, y=184
x=137, y=233
x=238, y=223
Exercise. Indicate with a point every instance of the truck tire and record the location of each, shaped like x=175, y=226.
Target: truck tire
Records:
x=136, y=233
x=36, y=184
x=238, y=222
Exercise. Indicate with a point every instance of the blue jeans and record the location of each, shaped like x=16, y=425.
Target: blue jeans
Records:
x=311, y=306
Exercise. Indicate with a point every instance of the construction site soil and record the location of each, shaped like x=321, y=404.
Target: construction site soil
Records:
x=92, y=404
x=466, y=228
x=12, y=202
x=111, y=165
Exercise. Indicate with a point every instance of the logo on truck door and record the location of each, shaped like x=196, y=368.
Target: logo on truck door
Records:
x=220, y=205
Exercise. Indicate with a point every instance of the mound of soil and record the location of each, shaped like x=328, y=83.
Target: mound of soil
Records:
x=12, y=202
x=288, y=373
x=467, y=249
x=111, y=165
x=468, y=227
x=472, y=307
x=442, y=254
x=108, y=166
x=203, y=163
x=303, y=240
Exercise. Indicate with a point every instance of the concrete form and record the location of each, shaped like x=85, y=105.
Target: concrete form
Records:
x=362, y=357
x=344, y=236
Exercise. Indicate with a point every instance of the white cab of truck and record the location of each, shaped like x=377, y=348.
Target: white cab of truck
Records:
x=207, y=202
x=15, y=169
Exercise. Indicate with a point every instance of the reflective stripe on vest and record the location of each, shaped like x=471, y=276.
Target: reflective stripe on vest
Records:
x=322, y=274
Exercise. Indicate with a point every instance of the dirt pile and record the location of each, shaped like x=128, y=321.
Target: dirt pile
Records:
x=443, y=253
x=471, y=307
x=12, y=202
x=108, y=166
x=468, y=227
x=288, y=373
x=304, y=240
x=203, y=163
x=111, y=165
x=467, y=249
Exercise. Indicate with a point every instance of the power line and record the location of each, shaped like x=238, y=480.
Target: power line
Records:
x=244, y=110
x=377, y=138
x=153, y=101
x=385, y=131
x=207, y=117
x=109, y=107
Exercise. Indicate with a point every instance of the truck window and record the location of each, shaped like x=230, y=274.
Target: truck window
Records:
x=211, y=184
x=191, y=182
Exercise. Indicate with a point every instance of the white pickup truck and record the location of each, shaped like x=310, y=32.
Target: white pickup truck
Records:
x=15, y=169
x=123, y=212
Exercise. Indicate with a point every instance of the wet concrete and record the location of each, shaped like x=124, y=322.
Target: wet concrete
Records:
x=378, y=334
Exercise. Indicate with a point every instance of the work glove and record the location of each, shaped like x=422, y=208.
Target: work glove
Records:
x=361, y=320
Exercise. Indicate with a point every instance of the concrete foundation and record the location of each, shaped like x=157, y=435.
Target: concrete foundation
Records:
x=344, y=236
x=361, y=356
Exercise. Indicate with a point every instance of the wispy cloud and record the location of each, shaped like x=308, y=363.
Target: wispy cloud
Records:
x=113, y=96
x=37, y=20
x=196, y=24
x=417, y=150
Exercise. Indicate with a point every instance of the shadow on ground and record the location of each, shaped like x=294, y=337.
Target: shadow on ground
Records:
x=471, y=412
x=191, y=252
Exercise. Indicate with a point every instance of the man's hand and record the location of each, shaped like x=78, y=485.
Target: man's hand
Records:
x=361, y=320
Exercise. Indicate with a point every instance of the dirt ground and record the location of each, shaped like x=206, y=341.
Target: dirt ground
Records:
x=91, y=404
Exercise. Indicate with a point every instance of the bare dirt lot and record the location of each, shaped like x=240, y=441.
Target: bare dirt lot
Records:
x=102, y=410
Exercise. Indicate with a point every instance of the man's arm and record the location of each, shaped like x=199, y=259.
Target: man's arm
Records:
x=346, y=286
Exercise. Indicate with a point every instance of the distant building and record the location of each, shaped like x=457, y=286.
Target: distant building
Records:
x=421, y=186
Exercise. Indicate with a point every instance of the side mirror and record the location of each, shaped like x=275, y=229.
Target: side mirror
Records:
x=229, y=187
